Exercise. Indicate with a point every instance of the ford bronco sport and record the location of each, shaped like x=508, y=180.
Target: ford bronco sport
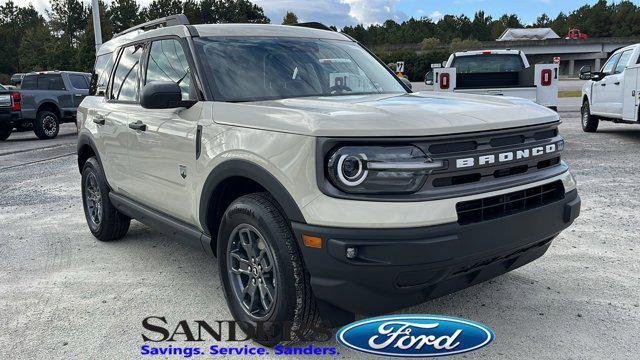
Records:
x=323, y=186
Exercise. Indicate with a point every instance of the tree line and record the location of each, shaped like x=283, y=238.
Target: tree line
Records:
x=63, y=38
x=598, y=20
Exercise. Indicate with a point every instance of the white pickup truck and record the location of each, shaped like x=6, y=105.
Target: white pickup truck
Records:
x=613, y=93
x=497, y=72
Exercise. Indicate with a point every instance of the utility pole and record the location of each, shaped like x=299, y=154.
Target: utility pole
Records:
x=97, y=29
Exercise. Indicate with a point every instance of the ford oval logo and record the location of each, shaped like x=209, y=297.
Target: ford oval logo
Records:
x=415, y=335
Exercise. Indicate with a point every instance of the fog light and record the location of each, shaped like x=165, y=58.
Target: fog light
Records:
x=352, y=253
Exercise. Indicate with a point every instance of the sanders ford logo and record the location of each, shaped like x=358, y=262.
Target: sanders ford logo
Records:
x=415, y=335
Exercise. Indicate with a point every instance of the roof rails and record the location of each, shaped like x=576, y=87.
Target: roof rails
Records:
x=314, y=25
x=178, y=19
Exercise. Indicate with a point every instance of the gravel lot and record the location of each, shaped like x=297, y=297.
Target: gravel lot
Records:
x=63, y=294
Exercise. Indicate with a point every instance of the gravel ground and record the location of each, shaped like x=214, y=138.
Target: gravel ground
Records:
x=63, y=294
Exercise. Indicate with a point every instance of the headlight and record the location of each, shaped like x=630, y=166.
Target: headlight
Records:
x=380, y=169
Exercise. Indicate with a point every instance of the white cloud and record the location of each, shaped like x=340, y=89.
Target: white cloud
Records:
x=436, y=15
x=374, y=11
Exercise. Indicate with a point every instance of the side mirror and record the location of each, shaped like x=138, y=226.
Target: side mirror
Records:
x=585, y=72
x=163, y=95
x=407, y=82
x=428, y=78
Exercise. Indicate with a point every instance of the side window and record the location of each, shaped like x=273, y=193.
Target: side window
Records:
x=623, y=62
x=608, y=67
x=101, y=74
x=79, y=81
x=29, y=82
x=125, y=80
x=50, y=82
x=167, y=62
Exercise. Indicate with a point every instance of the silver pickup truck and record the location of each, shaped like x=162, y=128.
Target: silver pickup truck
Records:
x=47, y=99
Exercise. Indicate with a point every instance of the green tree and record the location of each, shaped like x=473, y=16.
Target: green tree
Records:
x=124, y=14
x=35, y=49
x=86, y=53
x=543, y=21
x=481, y=27
x=429, y=44
x=290, y=18
x=462, y=45
x=191, y=9
x=161, y=8
x=68, y=20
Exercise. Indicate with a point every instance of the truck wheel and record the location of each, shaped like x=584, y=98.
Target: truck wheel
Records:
x=105, y=222
x=5, y=132
x=589, y=122
x=47, y=125
x=262, y=273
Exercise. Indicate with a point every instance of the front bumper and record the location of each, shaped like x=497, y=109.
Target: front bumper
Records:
x=396, y=268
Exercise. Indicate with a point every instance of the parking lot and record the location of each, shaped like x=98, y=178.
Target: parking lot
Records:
x=63, y=294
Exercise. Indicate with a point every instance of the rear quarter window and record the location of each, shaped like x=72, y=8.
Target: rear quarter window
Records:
x=29, y=82
x=101, y=74
x=79, y=81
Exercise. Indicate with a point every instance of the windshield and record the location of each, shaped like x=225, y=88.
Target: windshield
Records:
x=2, y=88
x=487, y=63
x=252, y=69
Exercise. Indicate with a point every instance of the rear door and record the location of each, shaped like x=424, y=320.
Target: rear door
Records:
x=615, y=93
x=112, y=118
x=80, y=87
x=631, y=93
x=163, y=155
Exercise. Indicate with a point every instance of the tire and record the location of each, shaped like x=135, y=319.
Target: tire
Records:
x=47, y=125
x=105, y=222
x=589, y=122
x=5, y=132
x=292, y=301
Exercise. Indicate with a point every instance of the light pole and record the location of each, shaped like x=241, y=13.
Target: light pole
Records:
x=97, y=29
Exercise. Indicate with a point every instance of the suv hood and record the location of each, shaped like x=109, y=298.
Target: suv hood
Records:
x=415, y=114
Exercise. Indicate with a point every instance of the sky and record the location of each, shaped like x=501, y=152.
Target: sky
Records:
x=350, y=12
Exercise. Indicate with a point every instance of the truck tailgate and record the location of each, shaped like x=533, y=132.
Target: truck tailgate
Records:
x=528, y=92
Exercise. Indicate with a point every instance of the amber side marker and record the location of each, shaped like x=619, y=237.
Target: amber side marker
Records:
x=312, y=241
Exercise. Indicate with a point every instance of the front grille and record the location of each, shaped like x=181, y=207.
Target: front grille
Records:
x=458, y=181
x=507, y=204
x=490, y=143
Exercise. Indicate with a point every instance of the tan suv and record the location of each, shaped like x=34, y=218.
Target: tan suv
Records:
x=321, y=183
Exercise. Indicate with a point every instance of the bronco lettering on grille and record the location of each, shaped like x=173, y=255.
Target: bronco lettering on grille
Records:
x=508, y=156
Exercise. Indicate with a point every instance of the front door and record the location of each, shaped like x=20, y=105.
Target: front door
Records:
x=163, y=156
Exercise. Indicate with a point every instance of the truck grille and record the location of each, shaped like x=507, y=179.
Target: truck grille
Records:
x=456, y=179
x=491, y=144
x=508, y=204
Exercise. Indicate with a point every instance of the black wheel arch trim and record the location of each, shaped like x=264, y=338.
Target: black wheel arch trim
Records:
x=86, y=140
x=252, y=171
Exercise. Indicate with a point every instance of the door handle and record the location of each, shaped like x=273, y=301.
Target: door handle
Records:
x=99, y=119
x=138, y=125
x=617, y=83
x=603, y=84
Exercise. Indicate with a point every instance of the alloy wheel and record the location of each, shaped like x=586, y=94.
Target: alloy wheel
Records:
x=252, y=271
x=49, y=125
x=93, y=199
